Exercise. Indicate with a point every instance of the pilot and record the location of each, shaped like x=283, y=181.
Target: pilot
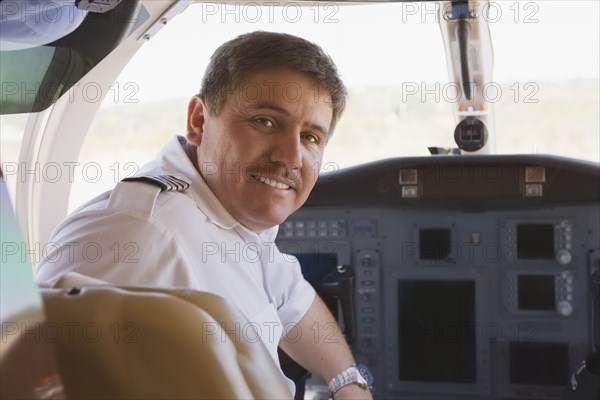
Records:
x=205, y=213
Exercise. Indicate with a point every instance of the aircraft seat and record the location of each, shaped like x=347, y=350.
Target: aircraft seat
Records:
x=151, y=343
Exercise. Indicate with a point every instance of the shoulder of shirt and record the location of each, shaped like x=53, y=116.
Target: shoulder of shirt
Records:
x=142, y=193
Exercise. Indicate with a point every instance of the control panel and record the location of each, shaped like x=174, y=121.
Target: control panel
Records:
x=547, y=292
x=528, y=240
x=480, y=295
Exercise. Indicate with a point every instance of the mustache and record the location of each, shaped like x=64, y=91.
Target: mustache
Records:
x=289, y=171
x=235, y=170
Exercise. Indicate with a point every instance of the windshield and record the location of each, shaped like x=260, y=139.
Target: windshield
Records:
x=392, y=59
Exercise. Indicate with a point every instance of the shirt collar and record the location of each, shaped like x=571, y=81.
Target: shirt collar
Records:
x=173, y=159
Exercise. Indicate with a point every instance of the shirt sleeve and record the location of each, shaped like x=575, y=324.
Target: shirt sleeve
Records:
x=293, y=294
x=120, y=247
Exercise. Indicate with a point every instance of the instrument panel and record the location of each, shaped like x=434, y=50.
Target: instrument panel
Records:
x=462, y=289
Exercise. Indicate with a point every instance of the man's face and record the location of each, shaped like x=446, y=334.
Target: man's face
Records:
x=262, y=153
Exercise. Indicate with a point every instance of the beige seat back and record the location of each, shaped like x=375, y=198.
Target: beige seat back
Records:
x=148, y=343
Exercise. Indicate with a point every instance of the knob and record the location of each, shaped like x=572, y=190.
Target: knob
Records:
x=564, y=308
x=563, y=257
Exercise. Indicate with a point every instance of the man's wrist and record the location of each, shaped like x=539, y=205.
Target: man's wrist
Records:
x=356, y=374
x=352, y=392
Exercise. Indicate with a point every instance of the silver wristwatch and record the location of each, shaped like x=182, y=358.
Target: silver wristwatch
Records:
x=357, y=374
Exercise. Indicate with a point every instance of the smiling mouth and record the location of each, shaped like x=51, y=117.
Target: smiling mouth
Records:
x=272, y=183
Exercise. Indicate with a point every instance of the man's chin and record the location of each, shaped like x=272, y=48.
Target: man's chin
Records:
x=267, y=222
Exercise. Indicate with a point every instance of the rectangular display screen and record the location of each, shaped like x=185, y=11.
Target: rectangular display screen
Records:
x=535, y=241
x=434, y=244
x=316, y=265
x=536, y=292
x=437, y=341
x=539, y=363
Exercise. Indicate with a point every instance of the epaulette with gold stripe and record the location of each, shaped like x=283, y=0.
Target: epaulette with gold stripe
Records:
x=168, y=183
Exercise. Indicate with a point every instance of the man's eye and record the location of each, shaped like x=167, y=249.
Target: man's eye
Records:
x=311, y=138
x=264, y=122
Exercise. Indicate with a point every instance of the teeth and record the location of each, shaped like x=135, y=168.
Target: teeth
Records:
x=273, y=183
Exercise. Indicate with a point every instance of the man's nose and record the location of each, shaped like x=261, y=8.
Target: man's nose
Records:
x=287, y=149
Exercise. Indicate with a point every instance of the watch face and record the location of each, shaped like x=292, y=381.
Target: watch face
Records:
x=365, y=373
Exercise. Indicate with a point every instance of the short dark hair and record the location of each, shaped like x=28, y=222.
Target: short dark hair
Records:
x=234, y=61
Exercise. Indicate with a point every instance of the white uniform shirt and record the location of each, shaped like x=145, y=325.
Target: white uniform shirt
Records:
x=135, y=236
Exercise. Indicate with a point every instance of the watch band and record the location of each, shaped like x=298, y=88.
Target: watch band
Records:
x=349, y=376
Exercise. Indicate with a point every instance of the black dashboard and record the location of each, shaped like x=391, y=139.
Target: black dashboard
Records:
x=458, y=276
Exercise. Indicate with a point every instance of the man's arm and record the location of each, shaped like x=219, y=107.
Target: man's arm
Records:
x=318, y=344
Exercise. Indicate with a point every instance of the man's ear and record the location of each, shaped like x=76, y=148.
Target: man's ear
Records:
x=195, y=120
